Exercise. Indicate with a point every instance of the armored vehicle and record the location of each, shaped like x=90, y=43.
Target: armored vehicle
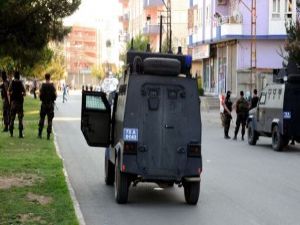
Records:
x=152, y=129
x=278, y=112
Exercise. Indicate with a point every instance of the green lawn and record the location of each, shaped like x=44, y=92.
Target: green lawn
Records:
x=32, y=185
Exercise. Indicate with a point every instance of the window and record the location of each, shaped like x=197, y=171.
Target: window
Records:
x=288, y=8
x=94, y=102
x=263, y=98
x=276, y=9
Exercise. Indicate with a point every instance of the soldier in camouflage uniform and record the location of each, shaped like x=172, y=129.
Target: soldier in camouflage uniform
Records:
x=47, y=96
x=4, y=96
x=16, y=92
x=242, y=108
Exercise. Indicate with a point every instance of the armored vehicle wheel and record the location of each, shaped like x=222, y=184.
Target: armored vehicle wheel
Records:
x=122, y=183
x=277, y=139
x=191, y=192
x=252, y=134
x=109, y=170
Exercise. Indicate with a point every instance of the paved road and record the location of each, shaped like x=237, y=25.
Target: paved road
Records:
x=241, y=184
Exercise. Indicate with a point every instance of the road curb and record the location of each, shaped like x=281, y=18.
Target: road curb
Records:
x=70, y=188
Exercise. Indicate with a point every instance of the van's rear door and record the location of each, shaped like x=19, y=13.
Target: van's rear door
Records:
x=95, y=118
x=163, y=124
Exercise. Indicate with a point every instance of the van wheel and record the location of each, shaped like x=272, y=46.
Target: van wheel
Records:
x=277, y=139
x=191, y=192
x=122, y=183
x=109, y=170
x=252, y=134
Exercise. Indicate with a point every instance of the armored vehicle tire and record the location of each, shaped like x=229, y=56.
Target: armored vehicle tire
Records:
x=191, y=192
x=109, y=171
x=277, y=139
x=252, y=134
x=122, y=182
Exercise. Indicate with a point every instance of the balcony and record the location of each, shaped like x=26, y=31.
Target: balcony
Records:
x=151, y=30
x=229, y=26
x=153, y=4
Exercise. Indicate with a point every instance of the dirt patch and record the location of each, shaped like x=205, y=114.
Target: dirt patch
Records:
x=43, y=200
x=30, y=218
x=19, y=180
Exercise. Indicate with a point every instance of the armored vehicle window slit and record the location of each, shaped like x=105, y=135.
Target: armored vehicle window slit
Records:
x=263, y=98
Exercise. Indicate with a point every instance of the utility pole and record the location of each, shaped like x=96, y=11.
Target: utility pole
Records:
x=160, y=33
x=253, y=44
x=169, y=24
x=253, y=58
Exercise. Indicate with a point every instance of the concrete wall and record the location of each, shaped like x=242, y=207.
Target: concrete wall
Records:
x=267, y=54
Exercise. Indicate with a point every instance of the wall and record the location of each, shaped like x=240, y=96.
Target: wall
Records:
x=267, y=54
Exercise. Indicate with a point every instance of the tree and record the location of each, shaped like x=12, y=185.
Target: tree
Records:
x=98, y=71
x=26, y=27
x=165, y=46
x=292, y=43
x=139, y=44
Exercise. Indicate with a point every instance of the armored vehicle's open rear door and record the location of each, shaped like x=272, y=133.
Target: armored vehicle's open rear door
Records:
x=95, y=118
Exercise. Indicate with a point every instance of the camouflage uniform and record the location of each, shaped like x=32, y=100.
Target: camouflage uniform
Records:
x=17, y=92
x=242, y=108
x=47, y=96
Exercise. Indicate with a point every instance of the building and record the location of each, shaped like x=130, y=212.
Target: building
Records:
x=82, y=52
x=143, y=17
x=221, y=33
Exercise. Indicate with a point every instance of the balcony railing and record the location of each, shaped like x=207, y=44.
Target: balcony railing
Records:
x=151, y=30
x=237, y=19
x=229, y=26
x=153, y=3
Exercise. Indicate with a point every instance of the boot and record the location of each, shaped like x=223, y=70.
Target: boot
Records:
x=11, y=131
x=234, y=138
x=21, y=134
x=48, y=136
x=242, y=137
x=40, y=134
x=5, y=129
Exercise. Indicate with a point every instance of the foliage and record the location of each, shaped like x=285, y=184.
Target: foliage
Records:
x=98, y=71
x=292, y=44
x=35, y=160
x=165, y=46
x=200, y=85
x=139, y=44
x=56, y=67
x=26, y=27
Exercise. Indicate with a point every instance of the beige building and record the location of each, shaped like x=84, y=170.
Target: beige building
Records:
x=143, y=17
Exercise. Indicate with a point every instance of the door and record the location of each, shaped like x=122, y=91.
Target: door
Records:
x=95, y=118
x=163, y=124
x=261, y=112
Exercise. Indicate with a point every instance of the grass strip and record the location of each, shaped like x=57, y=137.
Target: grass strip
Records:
x=33, y=189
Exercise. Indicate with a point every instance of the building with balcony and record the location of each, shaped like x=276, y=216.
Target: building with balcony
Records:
x=220, y=41
x=144, y=18
x=81, y=50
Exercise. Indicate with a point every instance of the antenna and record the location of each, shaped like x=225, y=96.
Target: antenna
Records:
x=131, y=46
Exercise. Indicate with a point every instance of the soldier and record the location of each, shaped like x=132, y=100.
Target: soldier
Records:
x=227, y=104
x=16, y=92
x=242, y=108
x=4, y=96
x=47, y=96
x=254, y=99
